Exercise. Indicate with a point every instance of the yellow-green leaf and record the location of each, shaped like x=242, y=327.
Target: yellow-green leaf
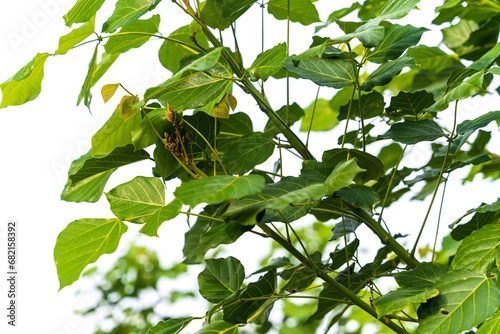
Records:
x=26, y=84
x=107, y=91
x=76, y=36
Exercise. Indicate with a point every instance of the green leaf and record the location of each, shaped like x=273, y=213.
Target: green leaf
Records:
x=153, y=222
x=245, y=311
x=135, y=200
x=218, y=327
x=471, y=86
x=360, y=196
x=195, y=88
x=88, y=82
x=218, y=14
x=129, y=40
x=268, y=62
x=325, y=117
x=275, y=263
x=127, y=11
x=456, y=35
x=411, y=103
x=371, y=105
x=342, y=228
x=171, y=53
x=410, y=132
x=480, y=122
x=247, y=152
x=231, y=129
x=397, y=300
x=342, y=176
x=301, y=277
x=491, y=325
x=220, y=279
x=116, y=132
x=475, y=223
x=335, y=73
x=82, y=12
x=87, y=176
x=431, y=58
x=68, y=42
x=396, y=40
x=205, y=125
x=336, y=15
x=384, y=74
x=106, y=61
x=342, y=256
x=295, y=112
x=424, y=276
x=204, y=236
x=26, y=84
x=302, y=11
x=245, y=211
x=397, y=9
x=171, y=326
x=370, y=34
x=487, y=59
x=372, y=165
x=478, y=250
x=203, y=63
x=81, y=243
x=315, y=171
x=465, y=300
x=216, y=189
x=165, y=161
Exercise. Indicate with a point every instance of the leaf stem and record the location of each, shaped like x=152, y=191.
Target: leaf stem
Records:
x=339, y=287
x=202, y=216
x=438, y=182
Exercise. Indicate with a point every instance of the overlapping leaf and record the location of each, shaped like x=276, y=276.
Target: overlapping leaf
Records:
x=302, y=11
x=67, y=42
x=170, y=326
x=245, y=310
x=465, y=299
x=268, y=62
x=386, y=72
x=135, y=200
x=410, y=103
x=216, y=189
x=87, y=176
x=82, y=11
x=478, y=250
x=247, y=152
x=396, y=40
x=129, y=40
x=335, y=73
x=469, y=87
x=397, y=300
x=127, y=11
x=410, y=132
x=221, y=278
x=153, y=222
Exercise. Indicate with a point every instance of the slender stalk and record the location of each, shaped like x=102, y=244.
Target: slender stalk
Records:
x=173, y=40
x=385, y=237
x=438, y=182
x=329, y=280
x=202, y=216
x=390, y=184
x=312, y=117
x=439, y=220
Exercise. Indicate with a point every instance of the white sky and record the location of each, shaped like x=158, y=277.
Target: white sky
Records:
x=41, y=138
